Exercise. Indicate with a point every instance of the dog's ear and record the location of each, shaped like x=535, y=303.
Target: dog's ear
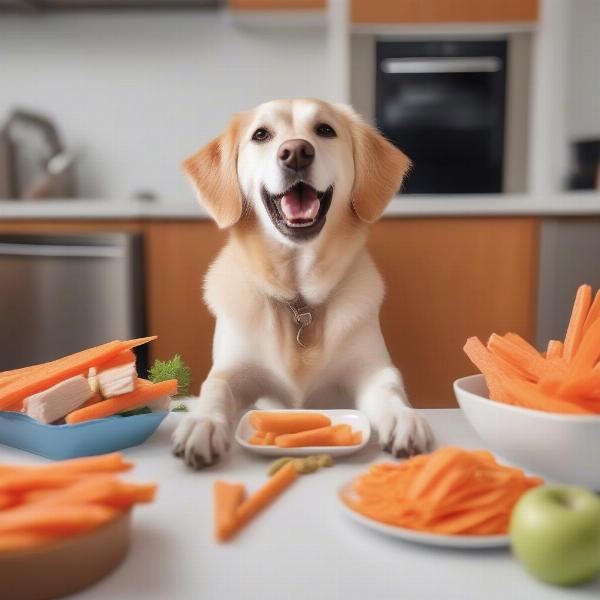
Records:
x=379, y=169
x=213, y=174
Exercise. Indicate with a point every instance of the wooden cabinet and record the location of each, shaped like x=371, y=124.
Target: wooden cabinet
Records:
x=448, y=279
x=442, y=11
x=177, y=256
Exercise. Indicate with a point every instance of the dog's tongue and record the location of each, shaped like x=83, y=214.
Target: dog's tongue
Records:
x=300, y=204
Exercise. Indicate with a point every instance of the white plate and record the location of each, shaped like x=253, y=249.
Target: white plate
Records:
x=419, y=537
x=357, y=420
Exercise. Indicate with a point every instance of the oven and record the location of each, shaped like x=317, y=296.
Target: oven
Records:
x=443, y=103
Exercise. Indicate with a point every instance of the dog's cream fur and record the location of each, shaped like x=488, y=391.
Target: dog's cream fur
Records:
x=255, y=353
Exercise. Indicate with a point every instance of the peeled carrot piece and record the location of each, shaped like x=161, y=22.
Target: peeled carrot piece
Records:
x=19, y=482
x=144, y=393
x=39, y=379
x=270, y=438
x=257, y=441
x=357, y=437
x=287, y=421
x=588, y=352
x=555, y=349
x=103, y=463
x=581, y=307
x=516, y=339
x=493, y=369
x=332, y=435
x=594, y=312
x=274, y=486
x=227, y=498
x=528, y=395
x=56, y=520
x=532, y=366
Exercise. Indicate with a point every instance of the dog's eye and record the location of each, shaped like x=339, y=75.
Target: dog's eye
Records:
x=261, y=135
x=324, y=130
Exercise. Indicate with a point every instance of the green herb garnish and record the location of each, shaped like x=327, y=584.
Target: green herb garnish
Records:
x=143, y=410
x=173, y=368
x=181, y=407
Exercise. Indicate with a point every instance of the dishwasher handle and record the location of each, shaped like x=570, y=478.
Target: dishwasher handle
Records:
x=442, y=64
x=60, y=250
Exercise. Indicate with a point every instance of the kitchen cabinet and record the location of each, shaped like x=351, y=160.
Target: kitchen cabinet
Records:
x=446, y=279
x=442, y=11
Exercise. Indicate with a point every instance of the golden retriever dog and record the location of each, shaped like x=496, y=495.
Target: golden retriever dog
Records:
x=295, y=293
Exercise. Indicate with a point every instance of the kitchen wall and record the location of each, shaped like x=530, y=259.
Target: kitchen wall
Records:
x=135, y=92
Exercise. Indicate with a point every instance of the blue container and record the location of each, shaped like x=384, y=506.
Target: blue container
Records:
x=59, y=442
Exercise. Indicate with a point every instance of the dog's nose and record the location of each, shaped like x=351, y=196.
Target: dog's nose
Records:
x=296, y=154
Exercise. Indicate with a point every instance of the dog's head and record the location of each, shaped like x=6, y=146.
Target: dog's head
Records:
x=300, y=165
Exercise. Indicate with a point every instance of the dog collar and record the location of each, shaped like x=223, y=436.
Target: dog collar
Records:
x=301, y=315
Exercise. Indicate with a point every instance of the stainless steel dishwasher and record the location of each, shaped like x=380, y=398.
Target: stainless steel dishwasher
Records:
x=62, y=293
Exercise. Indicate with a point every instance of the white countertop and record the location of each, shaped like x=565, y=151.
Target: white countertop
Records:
x=302, y=547
x=403, y=206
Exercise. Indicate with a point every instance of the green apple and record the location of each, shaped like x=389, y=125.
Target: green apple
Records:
x=555, y=533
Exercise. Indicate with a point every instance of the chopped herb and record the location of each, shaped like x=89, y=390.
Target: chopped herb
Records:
x=174, y=368
x=143, y=410
x=181, y=407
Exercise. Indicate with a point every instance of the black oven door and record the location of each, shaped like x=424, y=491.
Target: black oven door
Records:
x=443, y=104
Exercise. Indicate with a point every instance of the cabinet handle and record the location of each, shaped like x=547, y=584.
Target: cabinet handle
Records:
x=60, y=251
x=479, y=64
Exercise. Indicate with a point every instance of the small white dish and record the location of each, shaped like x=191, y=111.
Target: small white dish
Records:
x=420, y=537
x=357, y=420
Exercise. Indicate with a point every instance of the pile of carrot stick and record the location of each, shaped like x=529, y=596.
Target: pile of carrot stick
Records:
x=289, y=429
x=565, y=378
x=17, y=385
x=449, y=492
x=45, y=503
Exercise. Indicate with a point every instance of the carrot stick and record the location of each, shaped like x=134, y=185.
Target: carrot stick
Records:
x=227, y=497
x=532, y=366
x=20, y=482
x=581, y=307
x=255, y=440
x=554, y=350
x=516, y=339
x=528, y=395
x=48, y=375
x=57, y=520
x=588, y=352
x=594, y=312
x=143, y=394
x=274, y=486
x=357, y=437
x=288, y=421
x=494, y=370
x=103, y=463
x=332, y=435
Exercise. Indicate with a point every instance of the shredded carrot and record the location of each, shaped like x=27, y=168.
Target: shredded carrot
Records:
x=451, y=491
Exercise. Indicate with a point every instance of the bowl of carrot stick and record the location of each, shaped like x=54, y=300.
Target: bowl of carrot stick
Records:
x=303, y=432
x=91, y=402
x=541, y=408
x=64, y=526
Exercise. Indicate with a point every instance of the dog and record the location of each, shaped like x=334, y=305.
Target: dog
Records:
x=296, y=296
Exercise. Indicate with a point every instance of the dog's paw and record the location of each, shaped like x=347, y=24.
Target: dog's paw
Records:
x=201, y=441
x=404, y=433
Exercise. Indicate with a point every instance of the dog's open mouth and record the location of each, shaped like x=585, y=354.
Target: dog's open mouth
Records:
x=300, y=211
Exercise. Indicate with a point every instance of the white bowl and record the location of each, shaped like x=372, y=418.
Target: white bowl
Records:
x=357, y=420
x=560, y=448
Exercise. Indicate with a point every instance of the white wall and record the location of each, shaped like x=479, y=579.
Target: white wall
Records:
x=137, y=92
x=583, y=91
